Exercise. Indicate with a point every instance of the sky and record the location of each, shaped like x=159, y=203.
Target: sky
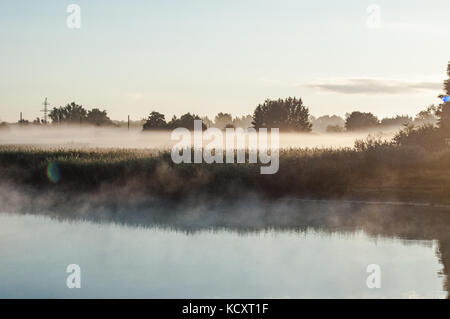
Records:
x=208, y=56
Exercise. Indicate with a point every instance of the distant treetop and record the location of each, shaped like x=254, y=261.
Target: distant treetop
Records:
x=74, y=113
x=288, y=115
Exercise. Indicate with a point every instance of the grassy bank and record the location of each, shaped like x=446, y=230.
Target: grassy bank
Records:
x=375, y=173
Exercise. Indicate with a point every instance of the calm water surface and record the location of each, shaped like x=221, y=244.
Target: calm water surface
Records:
x=163, y=262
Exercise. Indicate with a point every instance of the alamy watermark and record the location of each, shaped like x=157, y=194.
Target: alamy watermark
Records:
x=374, y=279
x=236, y=143
x=73, y=20
x=374, y=19
x=74, y=279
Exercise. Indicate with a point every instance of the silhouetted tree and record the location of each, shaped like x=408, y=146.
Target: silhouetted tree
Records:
x=289, y=115
x=71, y=113
x=99, y=118
x=447, y=82
x=258, y=117
x=443, y=111
x=57, y=115
x=426, y=117
x=428, y=136
x=244, y=121
x=359, y=120
x=76, y=114
x=155, y=121
x=206, y=120
x=323, y=122
x=399, y=120
x=444, y=118
x=425, y=136
x=222, y=120
x=446, y=86
x=334, y=129
x=186, y=121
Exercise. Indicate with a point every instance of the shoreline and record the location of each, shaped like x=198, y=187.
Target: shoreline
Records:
x=383, y=176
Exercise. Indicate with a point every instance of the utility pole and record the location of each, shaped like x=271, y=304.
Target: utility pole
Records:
x=45, y=110
x=128, y=122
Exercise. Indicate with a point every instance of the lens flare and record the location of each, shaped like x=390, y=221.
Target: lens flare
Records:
x=446, y=98
x=53, y=172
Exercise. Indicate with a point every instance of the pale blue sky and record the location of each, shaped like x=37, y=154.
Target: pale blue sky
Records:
x=132, y=57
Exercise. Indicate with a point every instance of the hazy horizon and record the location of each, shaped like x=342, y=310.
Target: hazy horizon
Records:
x=104, y=137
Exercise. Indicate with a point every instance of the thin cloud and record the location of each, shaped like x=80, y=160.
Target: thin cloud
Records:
x=374, y=86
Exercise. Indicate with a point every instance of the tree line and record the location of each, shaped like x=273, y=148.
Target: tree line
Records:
x=157, y=121
x=74, y=113
x=286, y=114
x=289, y=114
x=432, y=135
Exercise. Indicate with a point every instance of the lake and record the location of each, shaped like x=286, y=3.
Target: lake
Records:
x=294, y=250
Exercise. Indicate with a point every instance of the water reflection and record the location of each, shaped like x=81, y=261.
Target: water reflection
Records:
x=241, y=248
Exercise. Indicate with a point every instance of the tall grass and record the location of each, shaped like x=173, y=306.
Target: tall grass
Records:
x=381, y=172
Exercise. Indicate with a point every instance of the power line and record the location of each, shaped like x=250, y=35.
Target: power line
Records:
x=45, y=110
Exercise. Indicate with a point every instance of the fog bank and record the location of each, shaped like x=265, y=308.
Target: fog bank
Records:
x=95, y=137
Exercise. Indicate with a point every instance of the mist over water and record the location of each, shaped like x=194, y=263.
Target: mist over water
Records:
x=100, y=137
x=131, y=245
x=129, y=262
x=246, y=248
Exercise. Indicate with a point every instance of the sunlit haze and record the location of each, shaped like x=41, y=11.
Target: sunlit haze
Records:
x=210, y=56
